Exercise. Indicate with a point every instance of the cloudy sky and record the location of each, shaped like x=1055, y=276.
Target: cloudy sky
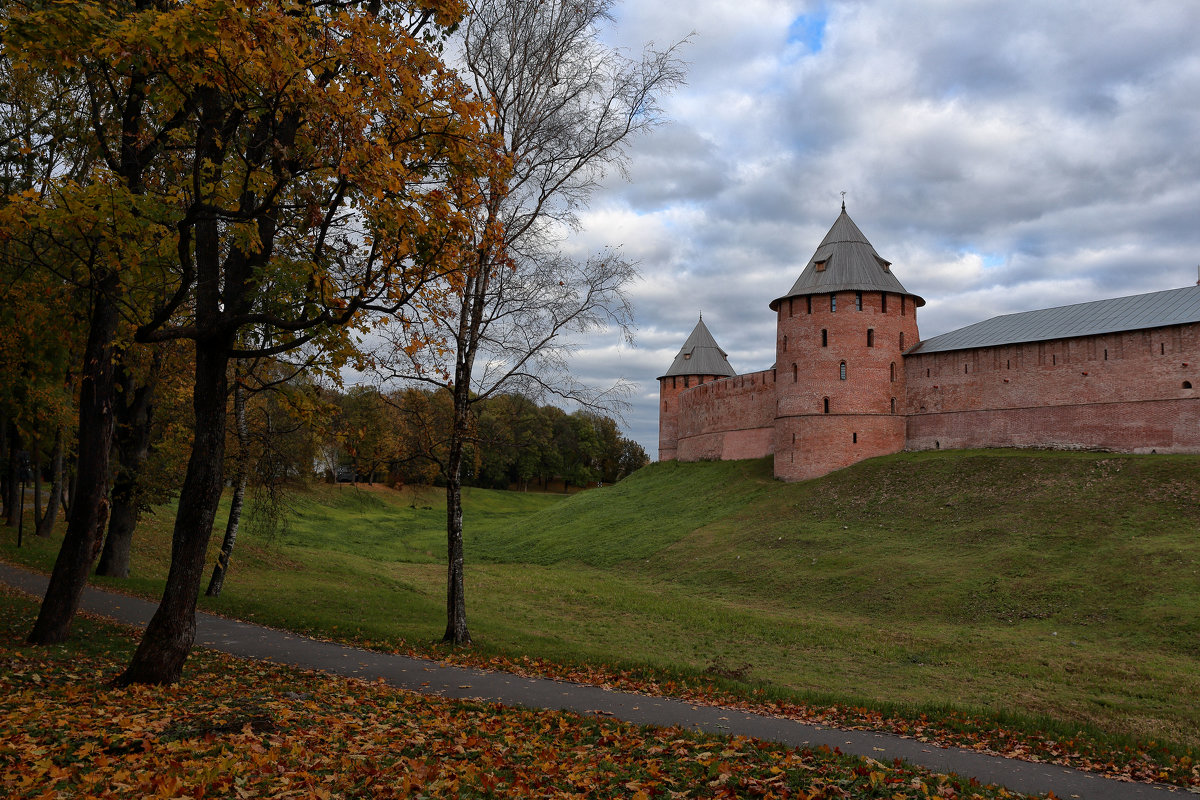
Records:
x=1005, y=155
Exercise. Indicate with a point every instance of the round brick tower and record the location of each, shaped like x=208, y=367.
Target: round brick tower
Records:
x=700, y=360
x=840, y=375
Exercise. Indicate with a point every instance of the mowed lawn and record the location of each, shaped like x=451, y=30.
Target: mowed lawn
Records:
x=1041, y=589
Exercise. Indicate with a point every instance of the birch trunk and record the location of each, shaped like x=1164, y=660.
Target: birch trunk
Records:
x=221, y=568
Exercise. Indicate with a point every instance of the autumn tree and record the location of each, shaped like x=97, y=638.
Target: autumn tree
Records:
x=297, y=164
x=369, y=438
x=92, y=228
x=151, y=419
x=422, y=425
x=514, y=440
x=564, y=107
x=40, y=314
x=274, y=409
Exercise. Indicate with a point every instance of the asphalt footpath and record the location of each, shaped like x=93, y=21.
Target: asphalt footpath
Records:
x=247, y=640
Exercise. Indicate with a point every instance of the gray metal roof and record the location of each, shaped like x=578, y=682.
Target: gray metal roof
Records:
x=700, y=355
x=849, y=262
x=1141, y=311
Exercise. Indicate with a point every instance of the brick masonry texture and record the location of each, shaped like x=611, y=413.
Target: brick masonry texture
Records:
x=669, y=391
x=1130, y=392
x=729, y=418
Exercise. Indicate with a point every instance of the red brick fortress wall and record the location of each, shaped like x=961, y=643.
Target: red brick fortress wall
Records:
x=669, y=390
x=824, y=421
x=727, y=419
x=812, y=446
x=1132, y=391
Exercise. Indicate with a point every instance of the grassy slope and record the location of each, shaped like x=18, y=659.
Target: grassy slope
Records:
x=631, y=520
x=1042, y=584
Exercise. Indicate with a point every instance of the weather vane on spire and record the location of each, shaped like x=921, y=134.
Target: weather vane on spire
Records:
x=843, y=201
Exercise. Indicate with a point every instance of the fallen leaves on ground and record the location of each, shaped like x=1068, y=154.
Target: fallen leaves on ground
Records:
x=237, y=728
x=1148, y=762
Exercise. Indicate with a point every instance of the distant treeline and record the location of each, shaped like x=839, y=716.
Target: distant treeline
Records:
x=401, y=438
x=296, y=431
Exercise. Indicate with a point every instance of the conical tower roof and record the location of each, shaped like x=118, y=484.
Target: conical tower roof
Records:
x=700, y=355
x=846, y=262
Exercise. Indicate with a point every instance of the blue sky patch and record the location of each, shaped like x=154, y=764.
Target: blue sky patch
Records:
x=809, y=29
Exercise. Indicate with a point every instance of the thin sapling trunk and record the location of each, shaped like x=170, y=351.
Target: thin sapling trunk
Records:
x=221, y=568
x=46, y=524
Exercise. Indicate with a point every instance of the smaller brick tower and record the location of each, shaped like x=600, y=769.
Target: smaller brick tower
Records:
x=841, y=332
x=700, y=360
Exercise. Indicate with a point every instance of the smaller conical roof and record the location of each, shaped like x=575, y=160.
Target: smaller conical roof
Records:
x=846, y=261
x=700, y=355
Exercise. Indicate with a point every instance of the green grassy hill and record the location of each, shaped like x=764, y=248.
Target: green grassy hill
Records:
x=1041, y=583
x=965, y=538
x=631, y=520
x=1056, y=588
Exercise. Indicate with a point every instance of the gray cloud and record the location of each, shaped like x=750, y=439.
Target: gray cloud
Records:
x=1005, y=154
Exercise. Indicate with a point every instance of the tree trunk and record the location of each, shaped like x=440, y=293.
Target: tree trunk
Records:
x=4, y=483
x=118, y=544
x=46, y=523
x=221, y=568
x=456, y=603
x=134, y=413
x=168, y=638
x=13, y=470
x=36, y=458
x=72, y=482
x=89, y=505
